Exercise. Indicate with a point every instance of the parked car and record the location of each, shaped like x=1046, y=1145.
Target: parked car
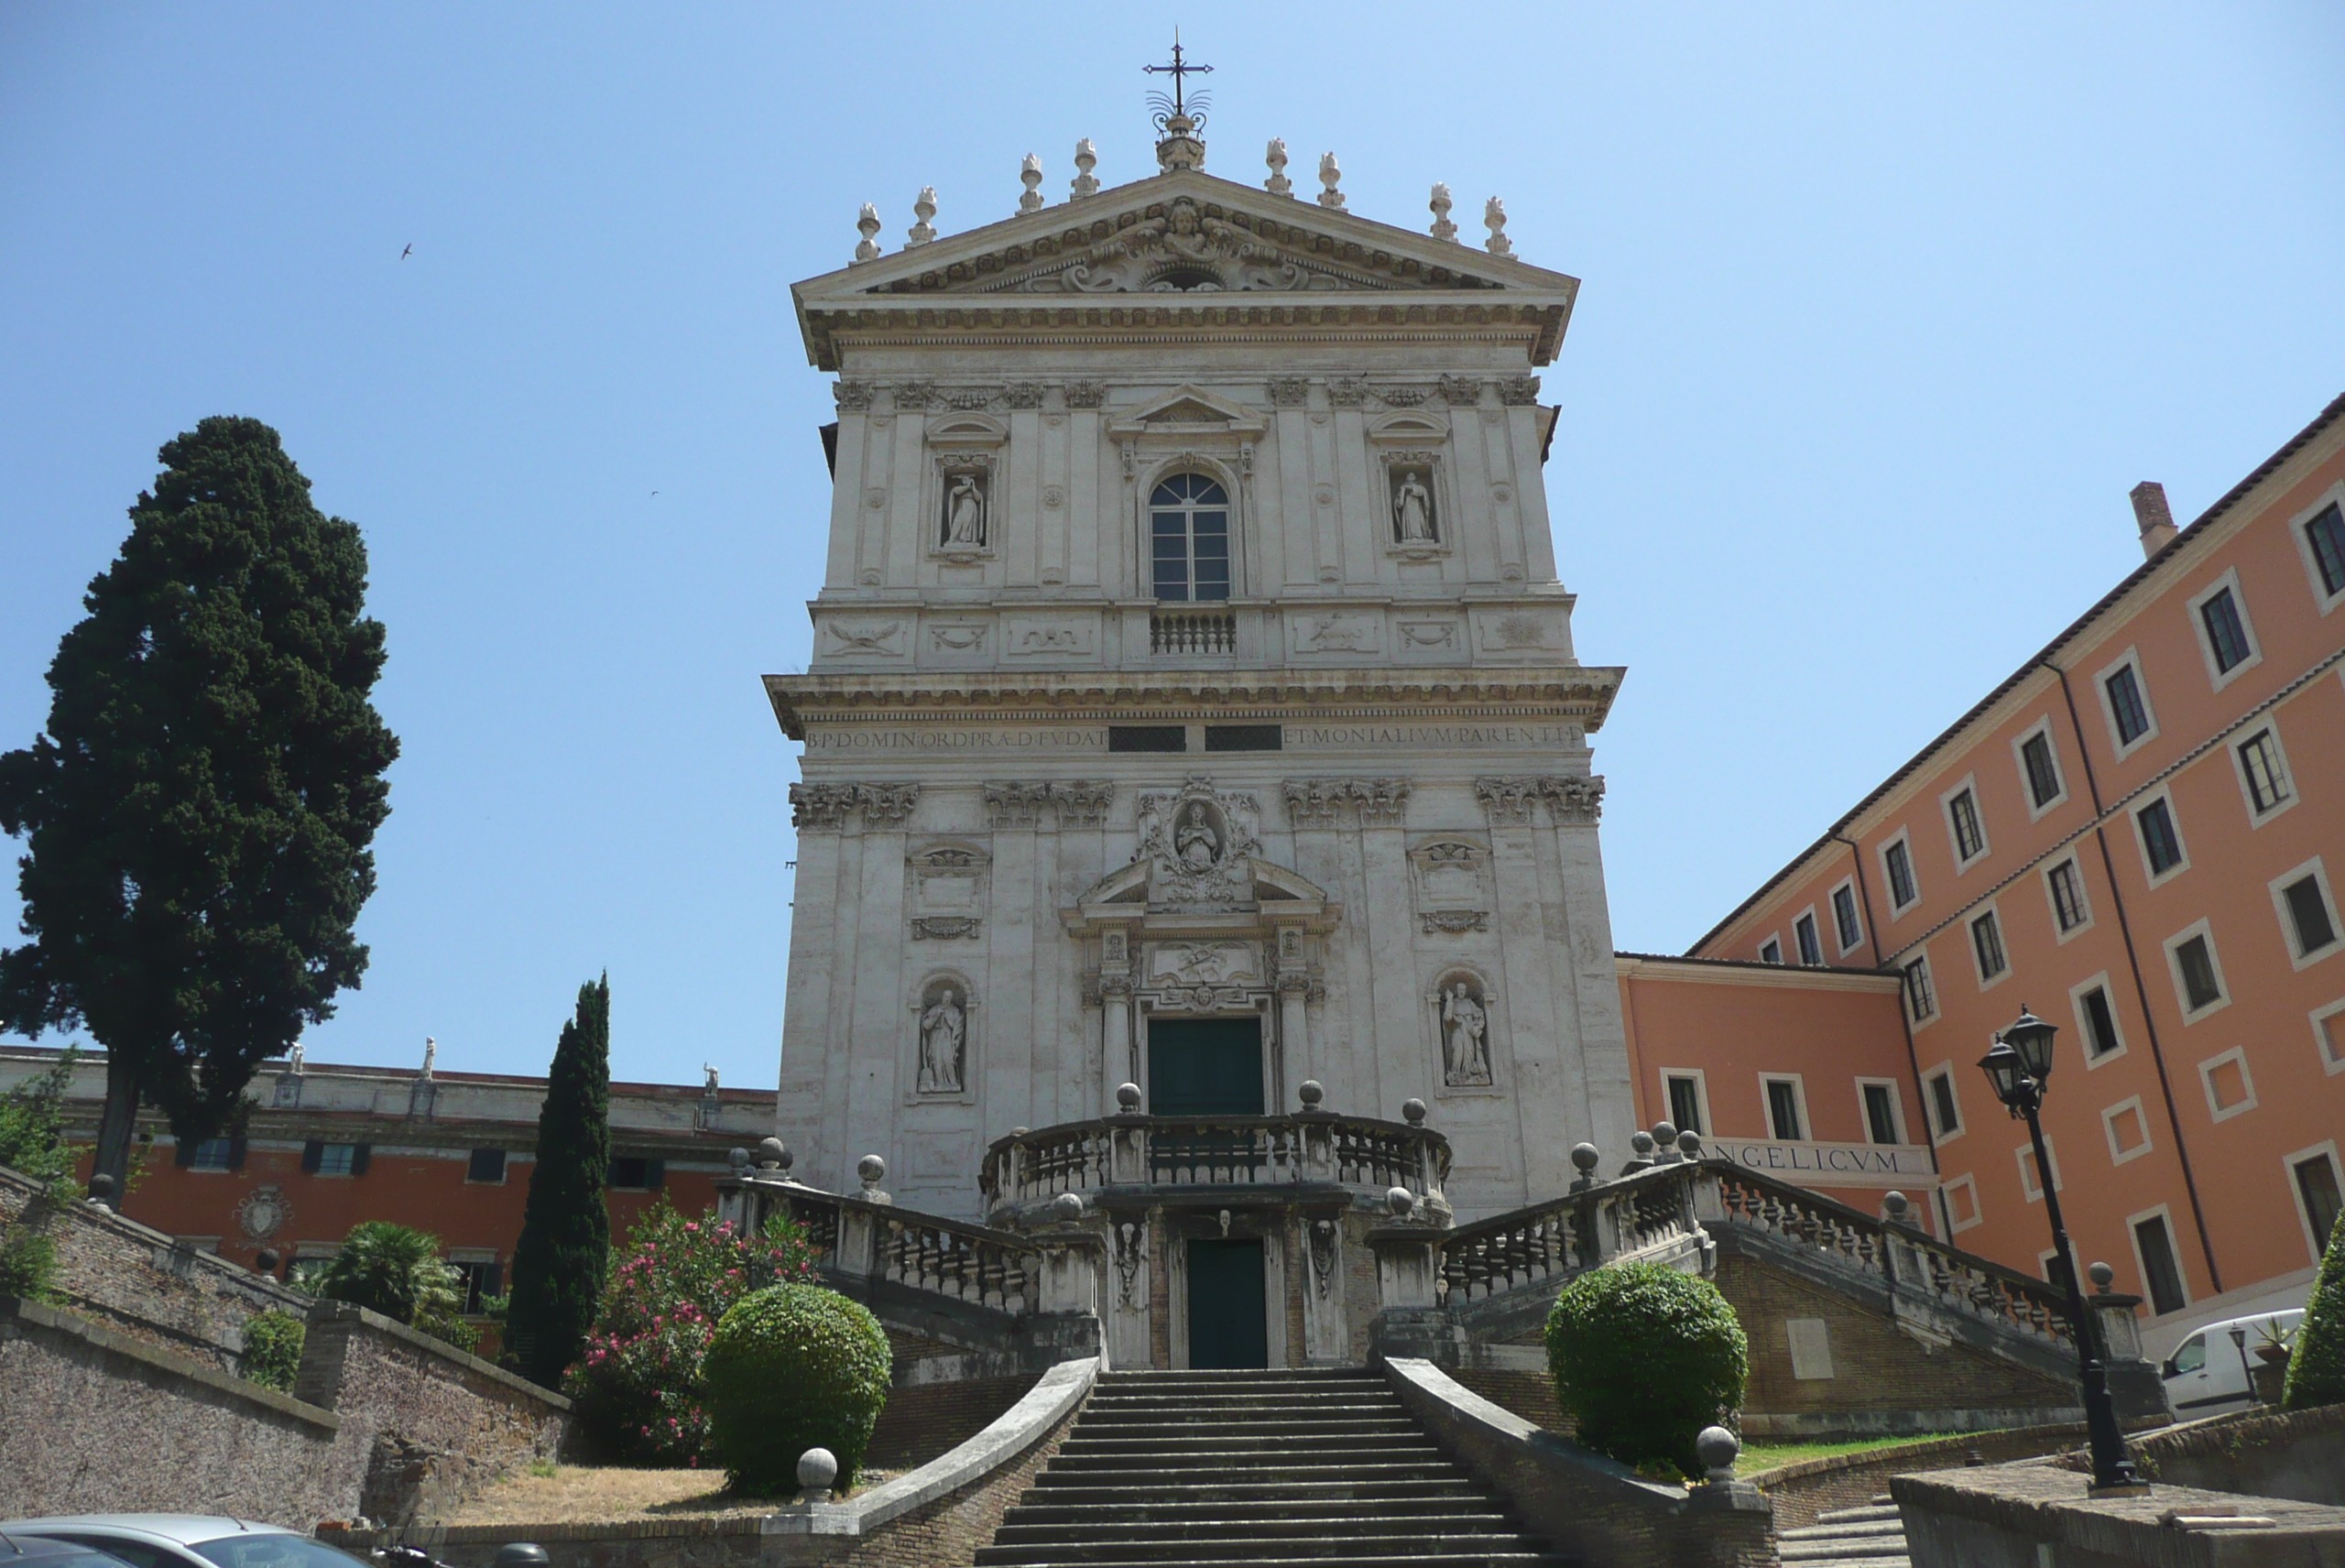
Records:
x=38, y=1551
x=2209, y=1371
x=177, y=1540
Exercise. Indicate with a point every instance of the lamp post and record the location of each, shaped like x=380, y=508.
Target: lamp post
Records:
x=2018, y=1067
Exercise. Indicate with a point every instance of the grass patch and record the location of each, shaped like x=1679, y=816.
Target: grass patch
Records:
x=1759, y=1454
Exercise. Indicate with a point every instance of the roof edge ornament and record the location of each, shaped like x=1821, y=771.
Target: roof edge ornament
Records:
x=1179, y=118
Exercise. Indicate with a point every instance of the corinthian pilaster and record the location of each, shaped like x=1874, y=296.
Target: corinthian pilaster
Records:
x=1574, y=800
x=1320, y=802
x=1508, y=802
x=820, y=806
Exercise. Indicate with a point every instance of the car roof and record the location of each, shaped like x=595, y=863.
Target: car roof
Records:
x=184, y=1529
x=2219, y=1324
x=19, y=1548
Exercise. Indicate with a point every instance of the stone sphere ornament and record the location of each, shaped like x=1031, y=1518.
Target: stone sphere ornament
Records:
x=773, y=1154
x=1689, y=1144
x=1402, y=1202
x=1127, y=1098
x=1311, y=1092
x=1067, y=1207
x=1412, y=1111
x=2102, y=1276
x=1717, y=1449
x=872, y=1168
x=738, y=1159
x=817, y=1469
x=1894, y=1203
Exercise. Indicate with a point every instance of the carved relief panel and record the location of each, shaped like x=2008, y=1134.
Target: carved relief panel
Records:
x=946, y=891
x=1198, y=839
x=1451, y=878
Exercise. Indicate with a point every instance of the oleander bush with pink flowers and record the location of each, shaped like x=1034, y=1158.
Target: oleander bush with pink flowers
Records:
x=637, y=1386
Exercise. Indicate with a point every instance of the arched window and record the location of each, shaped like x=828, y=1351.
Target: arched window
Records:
x=1188, y=527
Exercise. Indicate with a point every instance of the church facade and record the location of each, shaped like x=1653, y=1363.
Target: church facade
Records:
x=1193, y=703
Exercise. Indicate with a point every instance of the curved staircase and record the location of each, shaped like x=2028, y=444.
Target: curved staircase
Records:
x=1318, y=1468
x=1872, y=1536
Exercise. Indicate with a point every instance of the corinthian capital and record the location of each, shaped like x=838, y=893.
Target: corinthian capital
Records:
x=1506, y=802
x=885, y=805
x=820, y=806
x=1574, y=800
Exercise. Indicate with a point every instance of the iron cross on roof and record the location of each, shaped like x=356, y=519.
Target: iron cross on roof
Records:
x=1177, y=107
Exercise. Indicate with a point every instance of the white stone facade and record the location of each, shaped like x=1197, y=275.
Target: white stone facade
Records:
x=996, y=897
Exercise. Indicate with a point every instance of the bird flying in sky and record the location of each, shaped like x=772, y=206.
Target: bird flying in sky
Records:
x=409, y=252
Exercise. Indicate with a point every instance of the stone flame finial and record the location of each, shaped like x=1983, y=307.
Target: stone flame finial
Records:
x=1443, y=229
x=1029, y=174
x=867, y=224
x=923, y=209
x=1494, y=217
x=1278, y=184
x=1329, y=173
x=1086, y=158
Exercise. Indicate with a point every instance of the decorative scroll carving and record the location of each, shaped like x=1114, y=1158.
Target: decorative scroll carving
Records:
x=944, y=928
x=1191, y=964
x=1403, y=396
x=968, y=398
x=1082, y=802
x=1184, y=250
x=1288, y=391
x=854, y=397
x=1130, y=1243
x=1453, y=922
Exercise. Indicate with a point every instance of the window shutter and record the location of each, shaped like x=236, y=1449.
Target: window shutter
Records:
x=237, y=1152
x=492, y=1279
x=313, y=1153
x=655, y=1174
x=184, y=1152
x=359, y=1156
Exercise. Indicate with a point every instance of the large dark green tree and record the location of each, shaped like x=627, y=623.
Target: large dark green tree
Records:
x=198, y=813
x=564, y=1253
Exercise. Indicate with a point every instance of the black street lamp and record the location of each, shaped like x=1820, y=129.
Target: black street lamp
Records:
x=2018, y=1067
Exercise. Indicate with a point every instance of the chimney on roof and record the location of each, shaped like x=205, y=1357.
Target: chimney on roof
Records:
x=2154, y=516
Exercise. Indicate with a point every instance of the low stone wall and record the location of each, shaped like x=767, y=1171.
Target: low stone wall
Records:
x=98, y=1421
x=2022, y=1516
x=938, y=1514
x=425, y=1425
x=1583, y=1504
x=927, y=1417
x=1801, y=1492
x=141, y=1282
x=2263, y=1453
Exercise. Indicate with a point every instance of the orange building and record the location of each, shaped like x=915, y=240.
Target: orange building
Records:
x=2139, y=835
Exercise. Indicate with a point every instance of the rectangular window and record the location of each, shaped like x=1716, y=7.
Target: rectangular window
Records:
x=2316, y=1189
x=2325, y=538
x=1899, y=862
x=1245, y=737
x=2067, y=884
x=1148, y=737
x=1960, y=1197
x=1772, y=950
x=2031, y=1180
x=2126, y=709
x=2160, y=1272
x=1811, y=948
x=2100, y=1023
x=1686, y=1102
x=210, y=1154
x=337, y=1159
x=2127, y=1130
x=2042, y=768
x=2226, y=632
x=2259, y=764
x=1920, y=997
x=1946, y=1114
x=1881, y=1113
x=1782, y=1109
x=2161, y=844
x=2194, y=962
x=1987, y=941
x=478, y=1278
x=1962, y=815
x=1844, y=917
x=2328, y=1036
x=487, y=1166
x=2312, y=926
x=637, y=1173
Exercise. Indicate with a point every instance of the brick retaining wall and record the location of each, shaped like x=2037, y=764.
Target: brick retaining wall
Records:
x=2267, y=1453
x=922, y=1420
x=1801, y=1492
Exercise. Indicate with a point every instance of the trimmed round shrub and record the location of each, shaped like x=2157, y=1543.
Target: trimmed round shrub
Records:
x=793, y=1367
x=1644, y=1358
x=2317, y=1364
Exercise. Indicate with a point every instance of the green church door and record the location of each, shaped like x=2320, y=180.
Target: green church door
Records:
x=1226, y=1327
x=1205, y=1067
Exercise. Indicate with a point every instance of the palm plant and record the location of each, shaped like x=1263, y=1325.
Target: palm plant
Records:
x=398, y=1272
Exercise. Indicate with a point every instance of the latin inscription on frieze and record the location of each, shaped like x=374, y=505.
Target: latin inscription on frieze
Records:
x=1330, y=737
x=973, y=742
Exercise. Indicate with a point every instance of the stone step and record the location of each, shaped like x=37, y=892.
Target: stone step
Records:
x=1210, y=1524
x=1314, y=1407
x=1874, y=1558
x=1188, y=1422
x=1869, y=1512
x=1256, y=1454
x=1316, y=1485
x=1257, y=1548
x=1281, y=1427
x=1846, y=1529
x=1243, y=1374
x=1128, y=1471
x=1215, y=1504
x=1519, y=1556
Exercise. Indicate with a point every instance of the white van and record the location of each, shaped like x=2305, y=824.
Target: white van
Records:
x=2207, y=1372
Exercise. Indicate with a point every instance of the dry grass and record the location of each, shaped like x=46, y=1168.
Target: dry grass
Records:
x=583, y=1494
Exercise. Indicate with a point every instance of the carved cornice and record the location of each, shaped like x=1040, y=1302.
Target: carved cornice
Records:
x=826, y=806
x=1579, y=694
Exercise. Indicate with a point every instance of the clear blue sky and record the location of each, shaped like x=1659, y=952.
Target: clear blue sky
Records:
x=1886, y=309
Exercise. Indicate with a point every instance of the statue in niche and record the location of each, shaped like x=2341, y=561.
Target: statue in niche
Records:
x=1464, y=1053
x=1413, y=509
x=943, y=1040
x=1199, y=845
x=964, y=513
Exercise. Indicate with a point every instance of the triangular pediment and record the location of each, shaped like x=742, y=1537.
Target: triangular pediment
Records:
x=1188, y=410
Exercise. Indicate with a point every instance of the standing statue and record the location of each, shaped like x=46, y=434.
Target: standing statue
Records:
x=710, y=1086
x=299, y=1059
x=943, y=1028
x=965, y=513
x=1199, y=845
x=1412, y=510
x=1465, y=1058
x=430, y=1054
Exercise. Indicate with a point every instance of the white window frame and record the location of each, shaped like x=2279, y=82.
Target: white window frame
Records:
x=1902, y=836
x=1965, y=1183
x=1701, y=1097
x=2025, y=1153
x=2134, y=810
x=2119, y=746
x=2323, y=600
x=1970, y=781
x=1905, y=997
x=2331, y=1057
x=2084, y=1025
x=2140, y=1267
x=2035, y=813
x=2246, y=1077
x=2002, y=944
x=2235, y=743
x=1799, y=1099
x=2199, y=927
x=2288, y=1163
x=2131, y=1104
x=347, y=1173
x=2216, y=674
x=2052, y=899
x=1856, y=912
x=1896, y=1108
x=1776, y=941
x=2278, y=886
x=1808, y=914
x=1939, y=1139
x=227, y=1161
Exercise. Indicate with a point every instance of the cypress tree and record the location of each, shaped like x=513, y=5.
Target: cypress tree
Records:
x=564, y=1256
x=198, y=811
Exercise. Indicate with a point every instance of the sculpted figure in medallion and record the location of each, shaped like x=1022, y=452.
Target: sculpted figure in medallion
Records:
x=1412, y=510
x=1464, y=1056
x=965, y=513
x=1198, y=844
x=944, y=1031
